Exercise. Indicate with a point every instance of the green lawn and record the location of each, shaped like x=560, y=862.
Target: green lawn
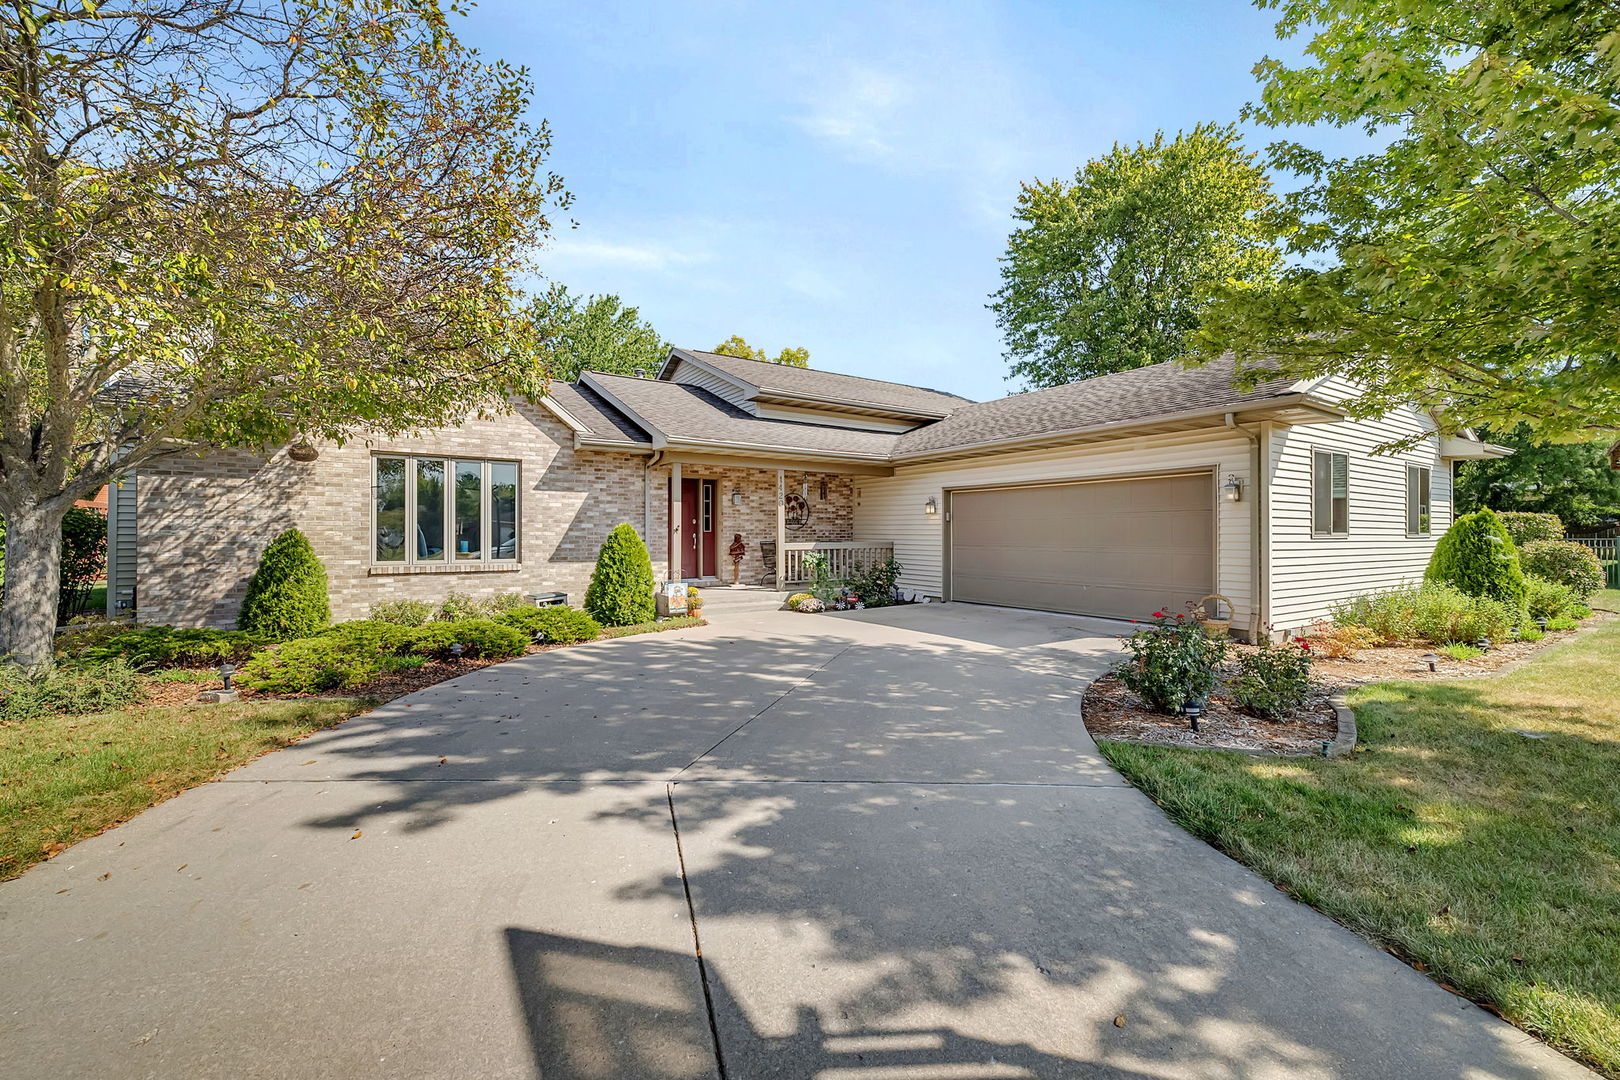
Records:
x=63, y=778
x=1489, y=858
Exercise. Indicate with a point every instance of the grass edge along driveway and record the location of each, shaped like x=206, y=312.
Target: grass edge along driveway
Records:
x=1488, y=858
x=63, y=778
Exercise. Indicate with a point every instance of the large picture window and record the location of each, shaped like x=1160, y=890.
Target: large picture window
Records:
x=429, y=510
x=1418, y=479
x=1330, y=493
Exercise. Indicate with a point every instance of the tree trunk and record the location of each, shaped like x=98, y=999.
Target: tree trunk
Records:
x=33, y=571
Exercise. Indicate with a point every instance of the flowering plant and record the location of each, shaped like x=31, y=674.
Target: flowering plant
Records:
x=1174, y=662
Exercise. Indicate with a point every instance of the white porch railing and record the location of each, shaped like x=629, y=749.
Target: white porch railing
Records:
x=843, y=557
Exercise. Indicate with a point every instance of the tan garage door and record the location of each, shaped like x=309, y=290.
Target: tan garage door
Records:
x=1119, y=548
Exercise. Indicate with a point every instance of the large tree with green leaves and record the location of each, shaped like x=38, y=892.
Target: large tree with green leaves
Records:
x=239, y=223
x=595, y=333
x=736, y=346
x=1108, y=272
x=1473, y=264
x=1572, y=480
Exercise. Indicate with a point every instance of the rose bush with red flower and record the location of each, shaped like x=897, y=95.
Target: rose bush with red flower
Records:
x=1174, y=662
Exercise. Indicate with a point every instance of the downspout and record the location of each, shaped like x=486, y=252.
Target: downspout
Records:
x=646, y=496
x=1259, y=533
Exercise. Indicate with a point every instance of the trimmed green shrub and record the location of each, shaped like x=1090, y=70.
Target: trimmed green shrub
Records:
x=1174, y=662
x=286, y=596
x=621, y=589
x=341, y=658
x=1548, y=599
x=74, y=688
x=1476, y=556
x=1272, y=680
x=312, y=665
x=351, y=654
x=553, y=625
x=1523, y=528
x=145, y=647
x=477, y=637
x=1566, y=563
x=1432, y=612
x=404, y=612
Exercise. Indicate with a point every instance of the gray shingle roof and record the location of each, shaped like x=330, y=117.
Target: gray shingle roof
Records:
x=1162, y=389
x=688, y=413
x=605, y=423
x=808, y=382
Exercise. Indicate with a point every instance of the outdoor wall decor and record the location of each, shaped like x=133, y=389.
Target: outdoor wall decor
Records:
x=796, y=510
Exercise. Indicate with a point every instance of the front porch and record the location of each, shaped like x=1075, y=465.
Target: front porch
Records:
x=771, y=518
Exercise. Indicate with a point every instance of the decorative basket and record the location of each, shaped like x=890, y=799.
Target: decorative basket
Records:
x=1213, y=624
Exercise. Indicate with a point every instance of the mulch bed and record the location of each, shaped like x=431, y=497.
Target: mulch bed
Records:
x=1113, y=712
x=381, y=689
x=1405, y=662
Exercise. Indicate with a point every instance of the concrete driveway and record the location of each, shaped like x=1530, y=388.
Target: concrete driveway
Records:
x=886, y=834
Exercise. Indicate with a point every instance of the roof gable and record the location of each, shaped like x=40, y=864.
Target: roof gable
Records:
x=764, y=381
x=677, y=413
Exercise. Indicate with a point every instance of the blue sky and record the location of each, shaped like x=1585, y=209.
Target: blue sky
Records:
x=841, y=176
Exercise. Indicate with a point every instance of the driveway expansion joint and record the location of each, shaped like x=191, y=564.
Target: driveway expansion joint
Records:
x=697, y=941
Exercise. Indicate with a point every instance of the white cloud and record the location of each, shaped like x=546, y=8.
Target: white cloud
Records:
x=635, y=255
x=860, y=110
x=969, y=121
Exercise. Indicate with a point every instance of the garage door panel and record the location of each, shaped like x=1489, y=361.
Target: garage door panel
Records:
x=1117, y=548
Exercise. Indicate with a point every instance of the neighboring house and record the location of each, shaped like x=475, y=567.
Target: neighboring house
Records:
x=1115, y=496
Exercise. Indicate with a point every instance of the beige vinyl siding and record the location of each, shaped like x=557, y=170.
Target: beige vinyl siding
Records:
x=891, y=508
x=1309, y=574
x=121, y=546
x=692, y=375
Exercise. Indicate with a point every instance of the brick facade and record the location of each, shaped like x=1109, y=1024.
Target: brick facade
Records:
x=203, y=522
x=754, y=516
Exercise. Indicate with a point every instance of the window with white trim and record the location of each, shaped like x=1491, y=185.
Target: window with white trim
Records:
x=1330, y=493
x=1418, y=481
x=433, y=510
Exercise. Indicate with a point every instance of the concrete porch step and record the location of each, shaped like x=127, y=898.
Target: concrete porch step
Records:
x=720, y=599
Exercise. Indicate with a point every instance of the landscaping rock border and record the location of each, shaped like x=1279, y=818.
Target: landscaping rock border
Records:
x=1345, y=741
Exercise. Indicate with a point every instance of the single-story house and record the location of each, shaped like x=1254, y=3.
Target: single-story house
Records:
x=1115, y=496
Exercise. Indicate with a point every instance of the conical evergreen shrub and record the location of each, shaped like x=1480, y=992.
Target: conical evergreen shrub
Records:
x=621, y=589
x=286, y=596
x=1477, y=556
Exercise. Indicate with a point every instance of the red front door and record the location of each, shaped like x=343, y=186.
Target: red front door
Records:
x=697, y=528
